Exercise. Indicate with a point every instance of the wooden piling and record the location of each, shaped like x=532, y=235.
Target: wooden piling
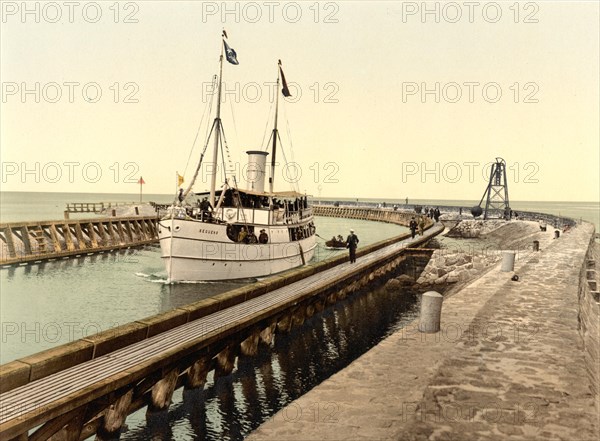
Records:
x=285, y=323
x=225, y=362
x=249, y=347
x=298, y=316
x=197, y=373
x=162, y=392
x=267, y=334
x=114, y=417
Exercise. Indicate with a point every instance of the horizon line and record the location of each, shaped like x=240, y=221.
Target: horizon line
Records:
x=312, y=196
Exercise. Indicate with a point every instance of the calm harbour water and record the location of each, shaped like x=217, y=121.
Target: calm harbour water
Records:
x=45, y=305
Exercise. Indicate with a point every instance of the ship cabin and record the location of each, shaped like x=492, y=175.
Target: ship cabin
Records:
x=246, y=213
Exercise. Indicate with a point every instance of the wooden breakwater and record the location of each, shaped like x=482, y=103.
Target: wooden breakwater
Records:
x=364, y=213
x=24, y=242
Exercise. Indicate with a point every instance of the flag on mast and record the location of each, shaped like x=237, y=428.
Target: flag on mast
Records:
x=285, y=90
x=179, y=179
x=230, y=54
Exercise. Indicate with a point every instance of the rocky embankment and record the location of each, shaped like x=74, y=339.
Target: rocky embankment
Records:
x=450, y=265
x=474, y=228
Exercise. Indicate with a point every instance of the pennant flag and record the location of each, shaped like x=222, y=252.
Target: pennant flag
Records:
x=284, y=90
x=179, y=179
x=141, y=181
x=230, y=54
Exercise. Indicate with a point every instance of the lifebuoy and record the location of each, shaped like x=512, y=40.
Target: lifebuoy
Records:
x=229, y=213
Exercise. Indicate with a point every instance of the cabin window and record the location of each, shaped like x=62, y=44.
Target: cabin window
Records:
x=241, y=233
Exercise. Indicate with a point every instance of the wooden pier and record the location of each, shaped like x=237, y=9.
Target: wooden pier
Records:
x=24, y=242
x=94, y=207
x=91, y=385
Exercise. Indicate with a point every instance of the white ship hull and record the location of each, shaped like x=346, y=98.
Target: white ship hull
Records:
x=194, y=250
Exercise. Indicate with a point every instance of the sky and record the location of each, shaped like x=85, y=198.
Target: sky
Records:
x=390, y=99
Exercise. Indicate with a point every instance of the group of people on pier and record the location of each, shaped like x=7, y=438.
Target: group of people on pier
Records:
x=413, y=225
x=433, y=213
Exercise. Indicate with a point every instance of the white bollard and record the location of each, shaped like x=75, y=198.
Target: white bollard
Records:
x=508, y=261
x=431, y=312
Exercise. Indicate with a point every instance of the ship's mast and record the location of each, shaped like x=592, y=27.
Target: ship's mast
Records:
x=217, y=129
x=274, y=148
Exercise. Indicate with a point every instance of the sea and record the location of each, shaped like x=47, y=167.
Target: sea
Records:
x=48, y=304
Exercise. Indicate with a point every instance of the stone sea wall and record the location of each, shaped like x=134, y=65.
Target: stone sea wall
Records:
x=589, y=317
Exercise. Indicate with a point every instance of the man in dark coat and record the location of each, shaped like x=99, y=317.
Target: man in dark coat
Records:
x=351, y=244
x=206, y=209
x=413, y=227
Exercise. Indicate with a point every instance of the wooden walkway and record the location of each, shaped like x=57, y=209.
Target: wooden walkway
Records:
x=58, y=398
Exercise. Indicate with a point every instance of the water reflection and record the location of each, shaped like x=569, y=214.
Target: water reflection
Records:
x=233, y=406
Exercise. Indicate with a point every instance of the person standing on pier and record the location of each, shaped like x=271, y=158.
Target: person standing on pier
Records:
x=413, y=227
x=421, y=225
x=351, y=244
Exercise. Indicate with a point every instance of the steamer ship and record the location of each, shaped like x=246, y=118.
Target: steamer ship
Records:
x=234, y=233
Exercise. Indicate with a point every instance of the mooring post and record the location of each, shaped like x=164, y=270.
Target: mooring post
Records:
x=431, y=312
x=508, y=261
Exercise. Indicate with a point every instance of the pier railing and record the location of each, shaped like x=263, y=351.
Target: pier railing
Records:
x=94, y=207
